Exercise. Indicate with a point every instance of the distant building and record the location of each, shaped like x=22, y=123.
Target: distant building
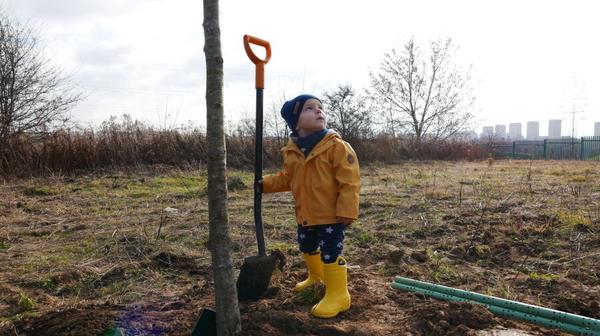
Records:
x=597, y=129
x=500, y=132
x=554, y=128
x=533, y=130
x=487, y=132
x=514, y=131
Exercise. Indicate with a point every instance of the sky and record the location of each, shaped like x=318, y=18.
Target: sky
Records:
x=531, y=60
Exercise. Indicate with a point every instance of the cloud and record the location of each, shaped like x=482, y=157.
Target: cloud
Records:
x=69, y=10
x=191, y=74
x=102, y=55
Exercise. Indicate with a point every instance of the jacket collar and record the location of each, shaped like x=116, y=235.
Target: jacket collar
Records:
x=325, y=143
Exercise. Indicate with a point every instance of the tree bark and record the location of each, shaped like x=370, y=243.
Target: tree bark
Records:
x=219, y=242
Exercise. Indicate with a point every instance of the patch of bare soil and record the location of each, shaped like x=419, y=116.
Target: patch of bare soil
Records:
x=451, y=318
x=90, y=320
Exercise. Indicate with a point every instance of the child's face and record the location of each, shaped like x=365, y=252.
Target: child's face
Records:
x=312, y=118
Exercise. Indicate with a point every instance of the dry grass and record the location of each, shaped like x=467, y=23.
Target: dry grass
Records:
x=126, y=144
x=514, y=229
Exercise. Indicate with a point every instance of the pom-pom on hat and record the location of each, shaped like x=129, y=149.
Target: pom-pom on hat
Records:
x=292, y=108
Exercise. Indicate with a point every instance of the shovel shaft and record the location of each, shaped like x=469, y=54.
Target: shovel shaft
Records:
x=258, y=161
x=258, y=167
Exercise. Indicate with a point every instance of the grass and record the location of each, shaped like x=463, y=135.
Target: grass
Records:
x=310, y=295
x=49, y=284
x=518, y=219
x=26, y=303
x=41, y=191
x=365, y=239
x=578, y=179
x=573, y=220
x=542, y=276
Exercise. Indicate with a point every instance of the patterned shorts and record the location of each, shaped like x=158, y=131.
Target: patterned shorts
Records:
x=328, y=238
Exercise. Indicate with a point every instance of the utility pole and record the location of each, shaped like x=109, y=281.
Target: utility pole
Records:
x=573, y=112
x=576, y=108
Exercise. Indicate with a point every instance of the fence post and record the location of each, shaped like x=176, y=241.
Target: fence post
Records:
x=545, y=149
x=581, y=149
x=513, y=152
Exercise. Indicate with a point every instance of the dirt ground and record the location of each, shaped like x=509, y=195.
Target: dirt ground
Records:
x=123, y=252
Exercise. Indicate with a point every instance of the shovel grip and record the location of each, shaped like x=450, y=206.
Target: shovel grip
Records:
x=260, y=63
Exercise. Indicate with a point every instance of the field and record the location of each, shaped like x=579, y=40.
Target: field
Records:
x=123, y=252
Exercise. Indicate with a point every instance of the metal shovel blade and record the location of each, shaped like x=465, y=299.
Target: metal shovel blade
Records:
x=207, y=324
x=255, y=276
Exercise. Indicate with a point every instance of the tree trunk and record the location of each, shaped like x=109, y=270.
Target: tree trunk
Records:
x=219, y=242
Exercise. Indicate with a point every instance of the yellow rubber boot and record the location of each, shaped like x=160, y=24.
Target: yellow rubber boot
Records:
x=337, y=297
x=315, y=270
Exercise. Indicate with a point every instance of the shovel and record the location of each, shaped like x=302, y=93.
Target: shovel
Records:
x=255, y=274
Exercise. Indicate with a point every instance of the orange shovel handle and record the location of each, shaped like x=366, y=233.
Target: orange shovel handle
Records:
x=260, y=64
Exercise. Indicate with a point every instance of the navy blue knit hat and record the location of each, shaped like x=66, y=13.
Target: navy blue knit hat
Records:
x=292, y=108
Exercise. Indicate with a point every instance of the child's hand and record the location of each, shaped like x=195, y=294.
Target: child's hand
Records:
x=344, y=220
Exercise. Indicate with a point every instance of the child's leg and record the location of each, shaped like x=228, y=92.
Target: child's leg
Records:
x=308, y=240
x=331, y=242
x=335, y=273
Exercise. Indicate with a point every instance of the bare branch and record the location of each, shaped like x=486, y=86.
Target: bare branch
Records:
x=423, y=96
x=33, y=94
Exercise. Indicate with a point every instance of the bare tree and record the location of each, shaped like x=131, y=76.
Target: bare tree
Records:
x=347, y=113
x=33, y=93
x=219, y=241
x=423, y=95
x=275, y=127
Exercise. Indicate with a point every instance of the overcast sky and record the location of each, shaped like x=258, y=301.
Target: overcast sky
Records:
x=532, y=60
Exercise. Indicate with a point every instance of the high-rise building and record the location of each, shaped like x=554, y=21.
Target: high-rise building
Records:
x=514, y=131
x=487, y=132
x=533, y=130
x=597, y=129
x=554, y=128
x=500, y=132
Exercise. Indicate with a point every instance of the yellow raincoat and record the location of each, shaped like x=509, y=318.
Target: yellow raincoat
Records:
x=325, y=184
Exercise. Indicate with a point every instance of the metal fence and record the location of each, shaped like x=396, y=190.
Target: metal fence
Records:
x=585, y=148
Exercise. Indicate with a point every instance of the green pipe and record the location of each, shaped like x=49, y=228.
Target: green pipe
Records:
x=552, y=314
x=504, y=312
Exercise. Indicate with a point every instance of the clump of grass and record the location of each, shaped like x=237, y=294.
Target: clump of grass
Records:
x=235, y=183
x=41, y=191
x=578, y=178
x=365, y=239
x=25, y=302
x=571, y=219
x=558, y=172
x=193, y=193
x=440, y=267
x=503, y=290
x=287, y=247
x=310, y=295
x=49, y=284
x=542, y=276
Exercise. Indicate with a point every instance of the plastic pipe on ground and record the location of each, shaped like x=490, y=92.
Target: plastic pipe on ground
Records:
x=556, y=315
x=504, y=312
